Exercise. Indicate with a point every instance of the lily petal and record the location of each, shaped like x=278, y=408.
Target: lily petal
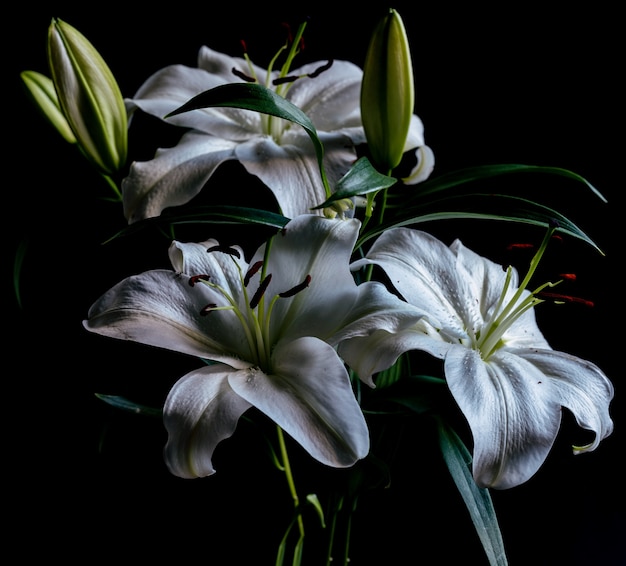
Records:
x=200, y=411
x=310, y=397
x=160, y=308
x=174, y=176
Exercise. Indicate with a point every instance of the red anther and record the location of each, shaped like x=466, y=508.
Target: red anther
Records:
x=288, y=28
x=300, y=287
x=243, y=45
x=253, y=269
x=224, y=249
x=557, y=237
x=567, y=298
x=207, y=309
x=196, y=278
x=569, y=276
x=242, y=75
x=519, y=246
x=321, y=69
x=260, y=291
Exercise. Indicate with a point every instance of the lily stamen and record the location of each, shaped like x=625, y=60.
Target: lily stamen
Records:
x=295, y=290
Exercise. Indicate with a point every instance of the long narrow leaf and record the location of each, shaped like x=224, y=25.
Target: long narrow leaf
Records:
x=219, y=214
x=482, y=207
x=477, y=500
x=481, y=172
x=126, y=405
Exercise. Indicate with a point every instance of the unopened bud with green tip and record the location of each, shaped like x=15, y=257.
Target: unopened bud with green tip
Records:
x=41, y=91
x=387, y=92
x=89, y=97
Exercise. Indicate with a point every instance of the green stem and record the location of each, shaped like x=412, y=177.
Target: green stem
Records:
x=294, y=493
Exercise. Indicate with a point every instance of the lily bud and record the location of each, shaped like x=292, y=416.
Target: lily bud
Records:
x=387, y=91
x=41, y=91
x=89, y=97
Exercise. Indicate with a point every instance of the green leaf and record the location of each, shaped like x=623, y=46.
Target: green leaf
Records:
x=482, y=172
x=219, y=214
x=482, y=207
x=259, y=98
x=126, y=405
x=313, y=500
x=477, y=500
x=361, y=179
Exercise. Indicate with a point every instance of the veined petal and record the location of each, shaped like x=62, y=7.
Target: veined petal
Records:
x=580, y=386
x=331, y=99
x=200, y=411
x=310, y=397
x=160, y=308
x=378, y=351
x=423, y=270
x=291, y=172
x=174, y=176
x=512, y=411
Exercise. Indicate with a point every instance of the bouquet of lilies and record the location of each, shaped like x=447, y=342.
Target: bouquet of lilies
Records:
x=321, y=327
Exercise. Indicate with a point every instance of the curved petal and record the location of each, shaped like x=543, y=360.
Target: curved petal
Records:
x=512, y=411
x=310, y=397
x=160, y=308
x=171, y=87
x=580, y=386
x=200, y=411
x=331, y=99
x=221, y=66
x=423, y=270
x=378, y=351
x=319, y=309
x=174, y=176
x=423, y=168
x=415, y=135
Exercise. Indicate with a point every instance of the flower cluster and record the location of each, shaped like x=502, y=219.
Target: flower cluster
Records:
x=326, y=316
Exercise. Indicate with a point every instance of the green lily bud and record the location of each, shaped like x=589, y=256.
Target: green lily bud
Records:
x=387, y=92
x=41, y=91
x=89, y=97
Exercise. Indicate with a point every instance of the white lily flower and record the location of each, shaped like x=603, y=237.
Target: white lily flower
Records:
x=506, y=379
x=280, y=153
x=272, y=332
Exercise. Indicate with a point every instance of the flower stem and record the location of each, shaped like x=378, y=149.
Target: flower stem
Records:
x=294, y=494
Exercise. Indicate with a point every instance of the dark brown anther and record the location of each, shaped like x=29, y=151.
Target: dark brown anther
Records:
x=206, y=310
x=224, y=249
x=242, y=75
x=294, y=290
x=321, y=69
x=253, y=269
x=260, y=291
x=283, y=80
x=196, y=278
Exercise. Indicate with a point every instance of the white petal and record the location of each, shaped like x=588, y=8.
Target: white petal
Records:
x=512, y=410
x=580, y=386
x=331, y=100
x=367, y=355
x=423, y=168
x=160, y=308
x=200, y=411
x=310, y=397
x=174, y=176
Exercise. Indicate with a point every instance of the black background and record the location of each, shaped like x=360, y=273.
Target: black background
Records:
x=522, y=83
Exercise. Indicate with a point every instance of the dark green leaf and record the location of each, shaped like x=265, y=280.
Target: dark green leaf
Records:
x=482, y=172
x=361, y=179
x=256, y=97
x=220, y=214
x=482, y=207
x=477, y=500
